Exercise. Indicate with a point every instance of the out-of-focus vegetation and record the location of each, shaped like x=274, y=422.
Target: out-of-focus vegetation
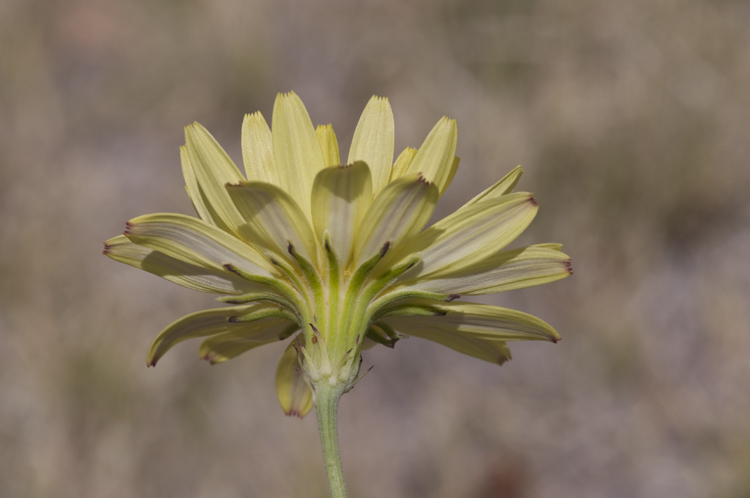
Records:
x=631, y=120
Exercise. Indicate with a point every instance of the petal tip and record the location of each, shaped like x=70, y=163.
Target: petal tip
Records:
x=286, y=95
x=210, y=357
x=378, y=100
x=446, y=121
x=422, y=179
x=568, y=266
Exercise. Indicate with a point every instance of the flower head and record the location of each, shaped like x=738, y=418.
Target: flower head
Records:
x=335, y=257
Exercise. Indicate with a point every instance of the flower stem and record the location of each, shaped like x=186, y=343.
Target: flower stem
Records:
x=327, y=402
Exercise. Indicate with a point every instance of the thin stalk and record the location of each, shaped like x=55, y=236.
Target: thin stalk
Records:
x=327, y=402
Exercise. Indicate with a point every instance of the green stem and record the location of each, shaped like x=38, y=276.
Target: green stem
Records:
x=327, y=402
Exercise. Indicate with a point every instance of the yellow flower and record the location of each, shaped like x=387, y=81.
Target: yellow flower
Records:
x=339, y=252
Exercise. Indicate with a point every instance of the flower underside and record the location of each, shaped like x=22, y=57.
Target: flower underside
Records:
x=338, y=252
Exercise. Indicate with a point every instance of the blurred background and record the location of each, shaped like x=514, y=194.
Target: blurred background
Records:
x=631, y=121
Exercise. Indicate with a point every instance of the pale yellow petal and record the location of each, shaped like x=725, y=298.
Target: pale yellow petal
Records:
x=504, y=186
x=399, y=212
x=196, y=242
x=435, y=158
x=273, y=220
x=230, y=344
x=213, y=169
x=381, y=333
x=483, y=349
x=401, y=166
x=502, y=271
x=295, y=396
x=478, y=320
x=200, y=324
x=342, y=196
x=194, y=192
x=200, y=278
x=472, y=234
x=329, y=146
x=452, y=170
x=257, y=150
x=295, y=148
x=373, y=141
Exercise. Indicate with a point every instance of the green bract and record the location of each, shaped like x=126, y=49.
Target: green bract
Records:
x=338, y=252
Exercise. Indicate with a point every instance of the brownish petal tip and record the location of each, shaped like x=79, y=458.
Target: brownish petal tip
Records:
x=424, y=180
x=230, y=268
x=209, y=357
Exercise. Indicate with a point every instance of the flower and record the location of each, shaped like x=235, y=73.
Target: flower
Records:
x=338, y=252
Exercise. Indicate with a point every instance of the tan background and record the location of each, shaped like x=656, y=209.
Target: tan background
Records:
x=631, y=120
